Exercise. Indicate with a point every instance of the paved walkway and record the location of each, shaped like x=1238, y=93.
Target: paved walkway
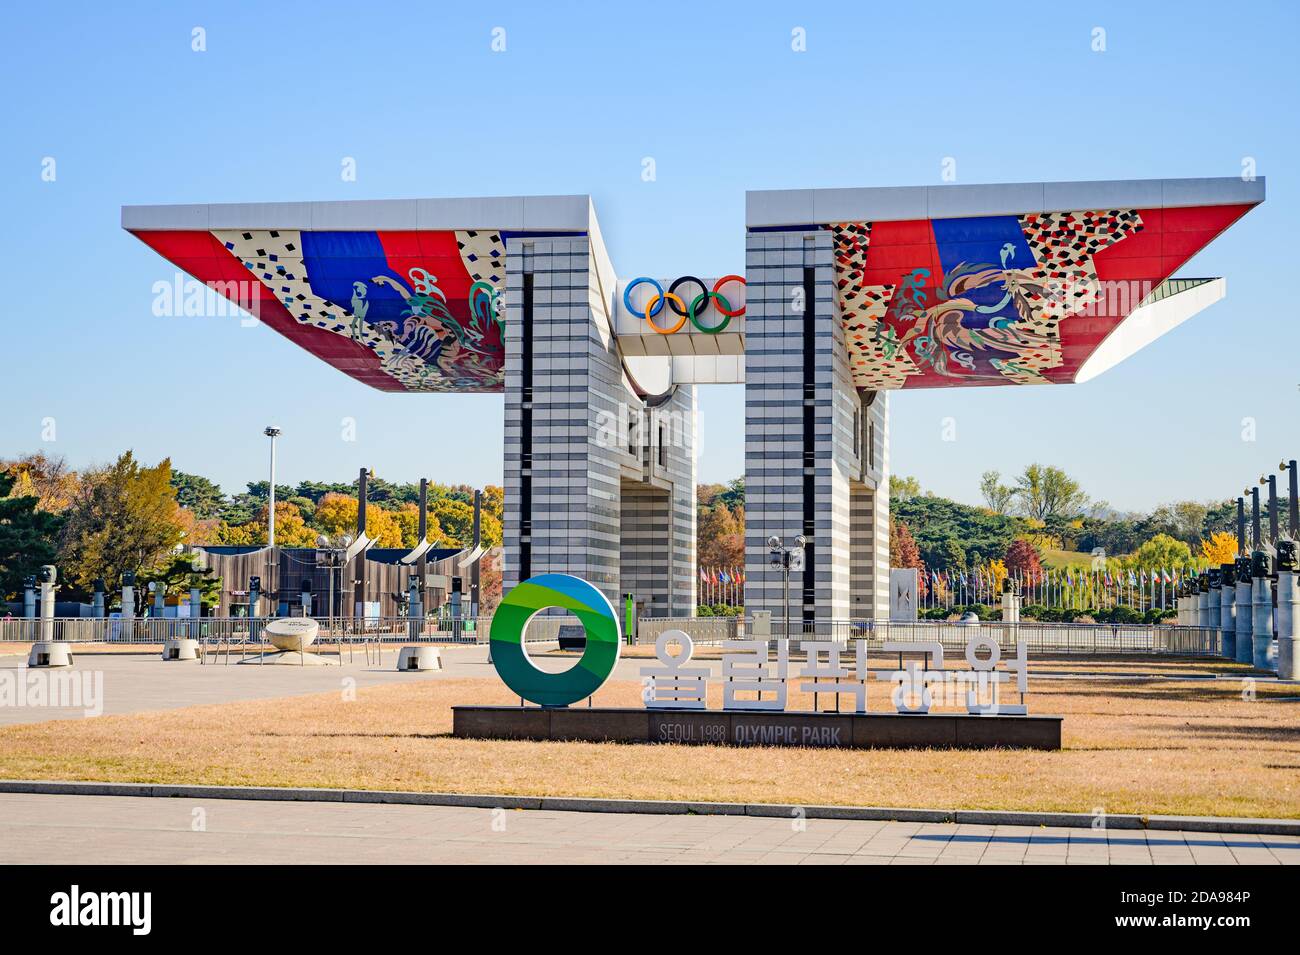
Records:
x=125, y=830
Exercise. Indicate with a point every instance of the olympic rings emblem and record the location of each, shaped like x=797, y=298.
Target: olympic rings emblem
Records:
x=678, y=306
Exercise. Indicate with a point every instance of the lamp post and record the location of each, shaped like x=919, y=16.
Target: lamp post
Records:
x=1254, y=516
x=1293, y=490
x=271, y=432
x=1271, y=481
x=1241, y=525
x=333, y=562
x=788, y=559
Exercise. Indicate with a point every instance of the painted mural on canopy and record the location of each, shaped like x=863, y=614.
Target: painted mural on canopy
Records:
x=1008, y=299
x=427, y=306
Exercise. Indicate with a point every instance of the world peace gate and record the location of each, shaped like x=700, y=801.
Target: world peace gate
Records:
x=844, y=296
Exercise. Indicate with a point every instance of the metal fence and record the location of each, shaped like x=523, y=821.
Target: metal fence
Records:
x=1039, y=637
x=157, y=630
x=702, y=630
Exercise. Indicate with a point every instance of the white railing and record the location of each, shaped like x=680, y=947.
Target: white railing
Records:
x=1040, y=637
x=157, y=630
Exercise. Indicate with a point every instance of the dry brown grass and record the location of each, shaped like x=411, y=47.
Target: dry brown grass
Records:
x=1153, y=746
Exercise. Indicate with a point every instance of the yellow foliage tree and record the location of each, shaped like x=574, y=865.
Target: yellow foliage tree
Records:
x=998, y=571
x=408, y=522
x=290, y=528
x=336, y=515
x=1221, y=548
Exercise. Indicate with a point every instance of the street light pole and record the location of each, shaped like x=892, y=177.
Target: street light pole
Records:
x=272, y=433
x=1254, y=517
x=1272, y=505
x=1293, y=502
x=788, y=559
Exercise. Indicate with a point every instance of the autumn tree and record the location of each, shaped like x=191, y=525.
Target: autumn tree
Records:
x=226, y=534
x=494, y=499
x=720, y=538
x=903, y=488
x=997, y=495
x=125, y=519
x=408, y=521
x=1046, y=492
x=43, y=476
x=1022, y=560
x=291, y=529
x=336, y=515
x=997, y=569
x=1221, y=548
x=903, y=552
x=1162, y=552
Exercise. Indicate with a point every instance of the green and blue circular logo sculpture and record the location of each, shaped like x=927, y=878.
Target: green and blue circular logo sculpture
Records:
x=594, y=612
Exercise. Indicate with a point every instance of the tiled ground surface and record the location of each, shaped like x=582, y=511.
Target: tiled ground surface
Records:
x=124, y=830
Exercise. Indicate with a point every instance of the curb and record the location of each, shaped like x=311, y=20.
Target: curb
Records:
x=1070, y=820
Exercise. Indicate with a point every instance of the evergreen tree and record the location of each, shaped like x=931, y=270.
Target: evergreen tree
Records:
x=27, y=537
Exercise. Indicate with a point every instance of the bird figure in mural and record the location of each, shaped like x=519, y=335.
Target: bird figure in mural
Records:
x=429, y=331
x=979, y=339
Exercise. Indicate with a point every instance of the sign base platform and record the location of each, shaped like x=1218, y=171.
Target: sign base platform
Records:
x=756, y=728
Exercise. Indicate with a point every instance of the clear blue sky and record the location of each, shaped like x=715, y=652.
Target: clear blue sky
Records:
x=131, y=114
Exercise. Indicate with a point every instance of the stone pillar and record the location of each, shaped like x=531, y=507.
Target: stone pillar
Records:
x=1288, y=611
x=47, y=610
x=1203, y=601
x=1227, y=612
x=1261, y=626
x=128, y=607
x=29, y=598
x=1244, y=614
x=1214, y=597
x=415, y=606
x=1288, y=625
x=1010, y=607
x=97, y=600
x=568, y=406
x=815, y=448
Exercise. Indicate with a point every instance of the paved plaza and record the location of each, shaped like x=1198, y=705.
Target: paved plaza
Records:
x=139, y=682
x=126, y=830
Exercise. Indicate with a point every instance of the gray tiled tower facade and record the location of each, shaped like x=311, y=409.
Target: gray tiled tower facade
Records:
x=597, y=483
x=816, y=456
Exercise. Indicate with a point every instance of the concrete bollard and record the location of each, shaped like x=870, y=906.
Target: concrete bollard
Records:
x=1261, y=623
x=1244, y=613
x=47, y=652
x=1227, y=612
